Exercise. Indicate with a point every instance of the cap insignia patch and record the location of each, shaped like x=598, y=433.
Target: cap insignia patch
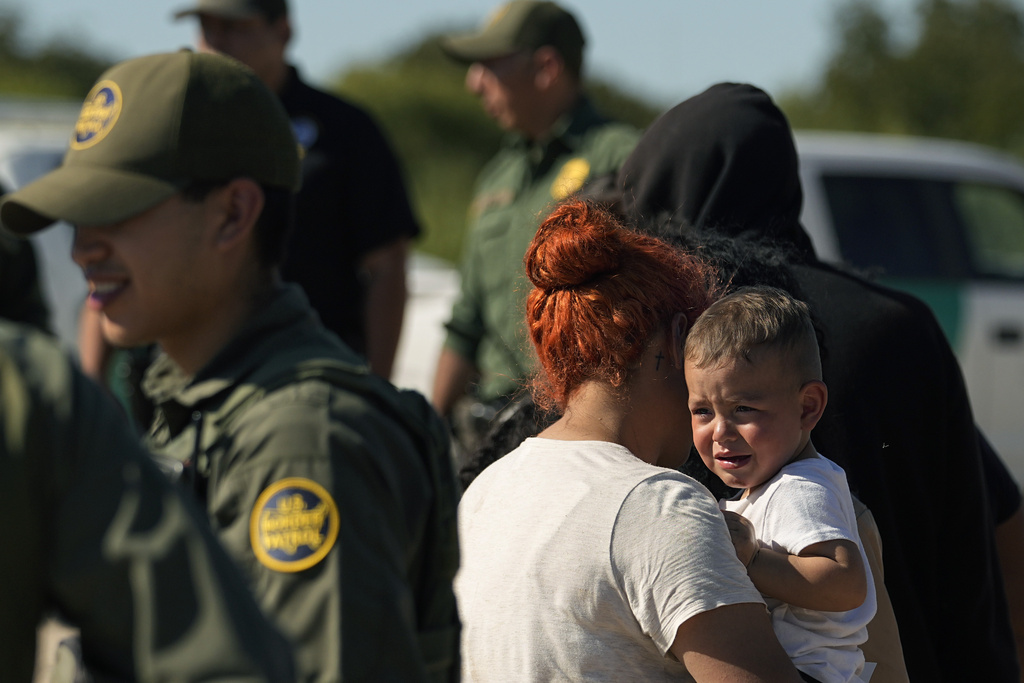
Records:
x=571, y=178
x=294, y=524
x=99, y=114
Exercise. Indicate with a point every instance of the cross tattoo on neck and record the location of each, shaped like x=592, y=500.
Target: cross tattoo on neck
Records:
x=659, y=358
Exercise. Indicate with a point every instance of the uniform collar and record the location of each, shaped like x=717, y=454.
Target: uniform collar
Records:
x=286, y=312
x=566, y=136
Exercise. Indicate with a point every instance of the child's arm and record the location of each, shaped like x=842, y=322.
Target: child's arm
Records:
x=827, y=576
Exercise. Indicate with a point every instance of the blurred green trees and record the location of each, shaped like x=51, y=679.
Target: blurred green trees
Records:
x=59, y=69
x=961, y=76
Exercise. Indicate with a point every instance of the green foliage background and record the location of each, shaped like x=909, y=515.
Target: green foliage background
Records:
x=58, y=69
x=959, y=74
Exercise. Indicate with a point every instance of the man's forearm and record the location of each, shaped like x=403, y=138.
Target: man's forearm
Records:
x=453, y=373
x=386, y=295
x=93, y=349
x=1010, y=545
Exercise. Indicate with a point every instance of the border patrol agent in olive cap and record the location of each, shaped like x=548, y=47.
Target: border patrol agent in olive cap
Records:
x=237, y=9
x=150, y=127
x=298, y=452
x=521, y=25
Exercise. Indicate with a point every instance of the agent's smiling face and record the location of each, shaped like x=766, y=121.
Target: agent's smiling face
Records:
x=748, y=418
x=150, y=276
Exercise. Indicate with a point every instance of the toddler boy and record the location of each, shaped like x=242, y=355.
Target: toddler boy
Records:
x=754, y=377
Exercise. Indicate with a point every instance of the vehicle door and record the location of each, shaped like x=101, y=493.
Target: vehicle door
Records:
x=956, y=242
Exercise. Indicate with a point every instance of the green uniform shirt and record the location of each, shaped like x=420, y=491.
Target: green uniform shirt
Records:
x=515, y=192
x=92, y=530
x=318, y=493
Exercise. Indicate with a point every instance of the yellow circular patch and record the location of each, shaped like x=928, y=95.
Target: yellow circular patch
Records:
x=99, y=114
x=293, y=525
x=571, y=178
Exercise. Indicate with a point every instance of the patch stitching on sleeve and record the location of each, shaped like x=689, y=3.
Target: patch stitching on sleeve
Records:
x=294, y=524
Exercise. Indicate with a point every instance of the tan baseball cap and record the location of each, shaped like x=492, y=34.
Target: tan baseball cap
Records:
x=520, y=25
x=151, y=126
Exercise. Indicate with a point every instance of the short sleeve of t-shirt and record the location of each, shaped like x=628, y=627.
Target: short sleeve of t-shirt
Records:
x=802, y=512
x=673, y=557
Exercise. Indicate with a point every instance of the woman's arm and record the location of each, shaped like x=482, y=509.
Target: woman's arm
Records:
x=733, y=643
x=827, y=576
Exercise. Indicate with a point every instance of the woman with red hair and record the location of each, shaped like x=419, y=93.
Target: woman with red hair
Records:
x=585, y=554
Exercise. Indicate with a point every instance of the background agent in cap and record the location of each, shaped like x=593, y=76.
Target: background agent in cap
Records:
x=179, y=182
x=525, y=66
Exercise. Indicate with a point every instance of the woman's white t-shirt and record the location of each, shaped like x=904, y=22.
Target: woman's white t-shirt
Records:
x=580, y=562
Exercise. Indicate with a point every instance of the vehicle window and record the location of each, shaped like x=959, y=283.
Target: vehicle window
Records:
x=898, y=227
x=994, y=221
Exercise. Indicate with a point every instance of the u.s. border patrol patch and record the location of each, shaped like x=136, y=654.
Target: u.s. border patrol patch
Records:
x=294, y=524
x=570, y=179
x=99, y=114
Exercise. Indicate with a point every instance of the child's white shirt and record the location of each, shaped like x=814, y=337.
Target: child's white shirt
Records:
x=809, y=502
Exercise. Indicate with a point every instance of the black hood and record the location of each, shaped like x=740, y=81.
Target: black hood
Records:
x=721, y=163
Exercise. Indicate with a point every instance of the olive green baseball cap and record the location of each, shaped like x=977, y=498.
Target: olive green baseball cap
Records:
x=150, y=127
x=520, y=25
x=237, y=9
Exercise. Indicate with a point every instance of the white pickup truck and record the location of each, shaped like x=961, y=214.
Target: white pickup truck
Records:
x=945, y=221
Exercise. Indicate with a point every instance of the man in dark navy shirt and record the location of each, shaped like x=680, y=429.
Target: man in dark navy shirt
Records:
x=354, y=221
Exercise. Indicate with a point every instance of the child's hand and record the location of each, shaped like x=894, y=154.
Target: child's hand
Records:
x=742, y=533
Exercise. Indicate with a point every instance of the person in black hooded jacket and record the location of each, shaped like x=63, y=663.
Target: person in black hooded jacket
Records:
x=718, y=172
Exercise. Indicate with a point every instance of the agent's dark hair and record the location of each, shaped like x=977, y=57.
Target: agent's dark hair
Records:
x=275, y=222
x=572, y=60
x=601, y=292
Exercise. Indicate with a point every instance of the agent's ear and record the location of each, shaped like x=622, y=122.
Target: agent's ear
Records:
x=548, y=65
x=677, y=339
x=242, y=203
x=813, y=399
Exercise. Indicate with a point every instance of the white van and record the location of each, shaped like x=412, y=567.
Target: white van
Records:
x=945, y=221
